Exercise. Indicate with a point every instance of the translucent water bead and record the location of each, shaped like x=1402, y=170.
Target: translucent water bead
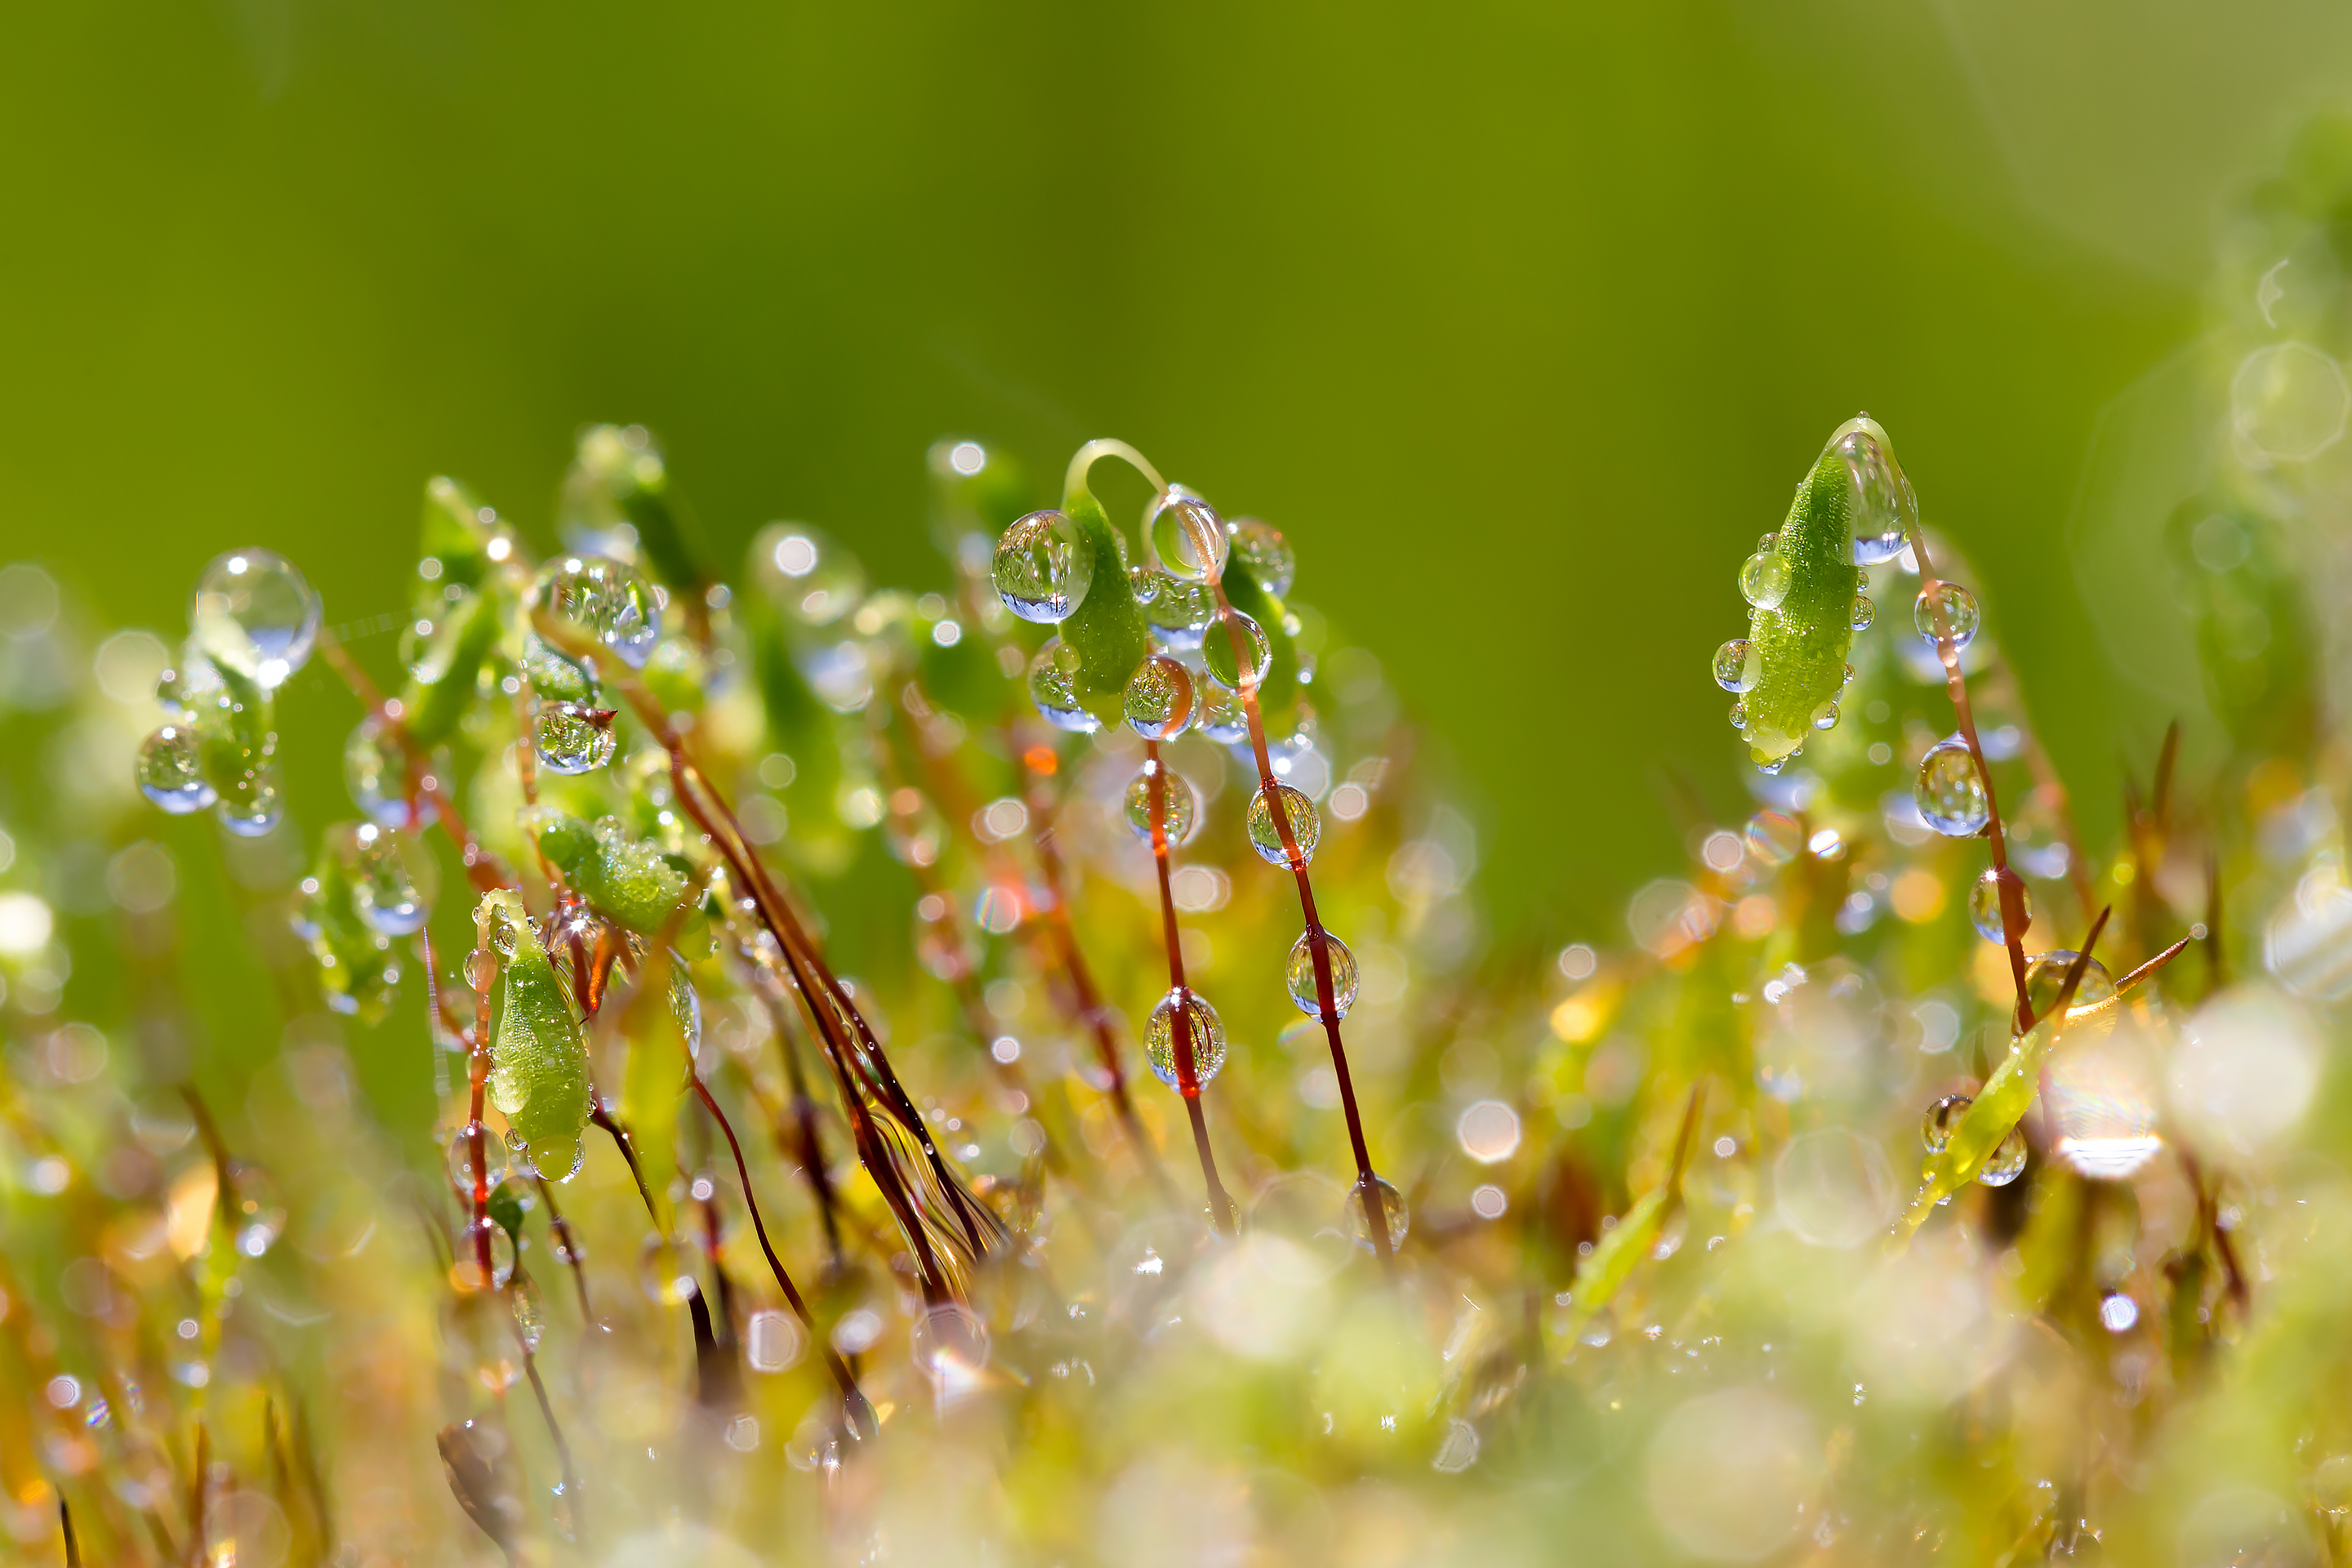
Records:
x=1935, y=1128
x=254, y=614
x=1261, y=547
x=1298, y=976
x=375, y=771
x=254, y=812
x=1188, y=536
x=601, y=598
x=2005, y=1163
x=1042, y=567
x=1180, y=613
x=1386, y=1202
x=1204, y=1031
x=1223, y=717
x=1217, y=652
x=463, y=1146
x=1946, y=608
x=1054, y=688
x=1764, y=580
x=1179, y=807
x=1864, y=611
x=1159, y=701
x=383, y=889
x=1984, y=905
x=1950, y=792
x=569, y=738
x=2045, y=976
x=482, y=1237
x=1737, y=666
x=1883, y=503
x=1266, y=834
x=192, y=687
x=171, y=771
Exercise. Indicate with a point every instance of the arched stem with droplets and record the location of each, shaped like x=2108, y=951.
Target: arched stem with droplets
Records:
x=1223, y=1216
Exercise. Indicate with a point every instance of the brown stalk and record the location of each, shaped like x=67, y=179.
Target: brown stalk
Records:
x=561, y=1229
x=1223, y=1216
x=805, y=1148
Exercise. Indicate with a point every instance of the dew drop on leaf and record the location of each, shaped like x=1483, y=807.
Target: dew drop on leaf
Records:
x=1764, y=580
x=1737, y=665
x=253, y=613
x=1261, y=547
x=1042, y=567
x=1054, y=688
x=1936, y=1127
x=2007, y=1163
x=171, y=773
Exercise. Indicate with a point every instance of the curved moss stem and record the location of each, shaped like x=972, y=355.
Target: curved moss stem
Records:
x=1223, y=1216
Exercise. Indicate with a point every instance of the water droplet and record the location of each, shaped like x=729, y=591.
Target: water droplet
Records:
x=1206, y=1032
x=1766, y=541
x=572, y=738
x=375, y=771
x=603, y=599
x=1738, y=666
x=2006, y=1164
x=1883, y=506
x=254, y=812
x=1946, y=608
x=1825, y=717
x=1764, y=580
x=1043, y=568
x=1054, y=688
x=1188, y=536
x=463, y=1157
x=1298, y=975
x=1773, y=838
x=1864, y=611
x=481, y=969
x=1984, y=905
x=1740, y=715
x=191, y=687
x=1936, y=1127
x=1388, y=1203
x=1159, y=701
x=1266, y=834
x=1180, y=613
x=2045, y=976
x=171, y=771
x=1217, y=652
x=1261, y=547
x=1179, y=807
x=254, y=614
x=383, y=889
x=1223, y=717
x=1950, y=792
x=530, y=1314
x=1143, y=581
x=482, y=1237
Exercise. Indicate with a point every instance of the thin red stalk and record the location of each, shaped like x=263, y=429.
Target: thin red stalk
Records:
x=855, y=1400
x=1222, y=1213
x=479, y=1073
x=561, y=1229
x=1319, y=940
x=554, y=1428
x=809, y=1153
x=2012, y=887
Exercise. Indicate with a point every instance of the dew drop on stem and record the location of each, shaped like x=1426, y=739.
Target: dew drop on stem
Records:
x=1386, y=1202
x=569, y=738
x=1935, y=1126
x=1217, y=653
x=1298, y=976
x=1945, y=609
x=1187, y=536
x=2005, y=1163
x=1207, y=1033
x=1180, y=805
x=1054, y=688
x=1950, y=791
x=1265, y=835
x=1984, y=906
x=1159, y=700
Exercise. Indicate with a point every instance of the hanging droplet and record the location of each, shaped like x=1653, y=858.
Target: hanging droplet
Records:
x=382, y=889
x=1180, y=613
x=1299, y=811
x=1945, y=609
x=481, y=969
x=1223, y=717
x=1261, y=547
x=483, y=1237
x=1188, y=536
x=1179, y=807
x=375, y=771
x=1740, y=715
x=254, y=614
x=1054, y=688
x=1159, y=701
x=571, y=738
x=2006, y=1163
x=1864, y=611
x=1144, y=580
x=475, y=1150
x=1298, y=976
x=1737, y=665
x=2045, y=976
x=1204, y=1032
x=1387, y=1203
x=171, y=771
x=1984, y=905
x=1765, y=542
x=1217, y=652
x=254, y=812
x=1950, y=792
x=1764, y=580
x=1936, y=1127
x=192, y=687
x=1042, y=567
x=1883, y=503
x=603, y=599
x=1825, y=717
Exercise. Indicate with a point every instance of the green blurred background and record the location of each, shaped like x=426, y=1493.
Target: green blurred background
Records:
x=1523, y=321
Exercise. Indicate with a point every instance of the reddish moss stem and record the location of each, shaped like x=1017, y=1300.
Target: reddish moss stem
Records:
x=1222, y=1214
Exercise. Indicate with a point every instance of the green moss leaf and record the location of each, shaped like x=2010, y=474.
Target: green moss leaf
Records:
x=627, y=880
x=1107, y=629
x=443, y=685
x=1802, y=642
x=539, y=1061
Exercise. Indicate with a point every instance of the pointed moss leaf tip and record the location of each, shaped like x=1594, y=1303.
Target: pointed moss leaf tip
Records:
x=1801, y=585
x=538, y=1059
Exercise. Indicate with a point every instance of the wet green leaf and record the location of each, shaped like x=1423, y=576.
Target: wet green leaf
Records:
x=1802, y=642
x=539, y=1061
